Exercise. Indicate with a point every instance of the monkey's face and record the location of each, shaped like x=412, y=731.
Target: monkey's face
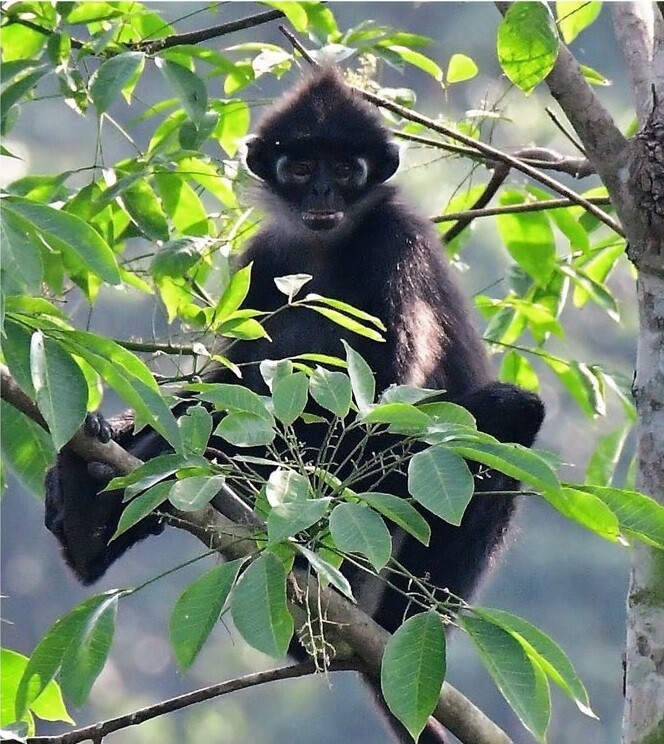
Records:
x=319, y=183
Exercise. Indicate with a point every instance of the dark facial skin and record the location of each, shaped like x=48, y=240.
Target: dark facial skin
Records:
x=321, y=185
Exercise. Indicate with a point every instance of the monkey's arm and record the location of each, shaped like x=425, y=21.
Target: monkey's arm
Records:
x=81, y=515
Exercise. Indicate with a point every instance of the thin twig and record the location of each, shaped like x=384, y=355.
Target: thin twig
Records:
x=535, y=206
x=470, y=142
x=97, y=731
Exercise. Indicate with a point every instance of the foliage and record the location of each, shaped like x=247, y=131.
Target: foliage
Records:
x=178, y=199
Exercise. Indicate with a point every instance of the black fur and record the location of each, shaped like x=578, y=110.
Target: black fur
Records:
x=383, y=258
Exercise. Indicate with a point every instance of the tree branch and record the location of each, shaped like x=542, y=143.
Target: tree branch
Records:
x=97, y=731
x=365, y=637
x=640, y=32
x=488, y=150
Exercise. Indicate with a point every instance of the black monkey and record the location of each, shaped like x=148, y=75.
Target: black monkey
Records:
x=323, y=158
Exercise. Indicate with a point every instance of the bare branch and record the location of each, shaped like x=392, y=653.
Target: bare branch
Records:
x=534, y=206
x=97, y=731
x=365, y=637
x=488, y=150
x=640, y=31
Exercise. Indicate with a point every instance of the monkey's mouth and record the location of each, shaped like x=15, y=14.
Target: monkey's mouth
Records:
x=322, y=219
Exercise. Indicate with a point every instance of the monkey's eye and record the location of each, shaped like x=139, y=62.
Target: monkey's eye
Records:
x=342, y=171
x=301, y=168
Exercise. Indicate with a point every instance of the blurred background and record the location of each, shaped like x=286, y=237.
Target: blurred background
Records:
x=563, y=579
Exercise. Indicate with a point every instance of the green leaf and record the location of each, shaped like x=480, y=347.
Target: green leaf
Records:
x=245, y=430
x=440, y=480
x=234, y=294
x=331, y=390
x=359, y=529
x=259, y=609
x=344, y=307
x=516, y=369
x=197, y=610
x=327, y=573
x=528, y=237
x=284, y=486
x=142, y=505
x=512, y=459
x=13, y=92
x=26, y=448
x=144, y=208
x=346, y=322
x=49, y=706
x=16, y=350
x=417, y=59
x=593, y=76
x=181, y=204
x=191, y=494
x=46, y=659
x=460, y=68
x=288, y=518
x=150, y=472
x=187, y=86
x=413, y=670
x=20, y=259
x=74, y=237
x=86, y=655
x=545, y=652
x=289, y=396
x=598, y=268
x=234, y=117
x=639, y=515
x=587, y=510
x=233, y=398
x=361, y=379
x=604, y=460
x=60, y=388
x=527, y=44
x=401, y=512
x=403, y=417
x=597, y=292
x=581, y=383
x=574, y=17
x=196, y=427
x=112, y=76
x=294, y=12
x=520, y=680
x=128, y=376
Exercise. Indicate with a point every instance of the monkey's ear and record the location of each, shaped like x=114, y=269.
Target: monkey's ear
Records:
x=254, y=154
x=388, y=164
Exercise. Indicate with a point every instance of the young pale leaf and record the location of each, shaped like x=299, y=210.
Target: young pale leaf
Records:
x=245, y=430
x=639, y=515
x=512, y=459
x=273, y=370
x=187, y=86
x=87, y=653
x=142, y=505
x=520, y=680
x=327, y=573
x=460, y=68
x=259, y=609
x=196, y=427
x=401, y=512
x=331, y=390
x=49, y=706
x=50, y=651
x=413, y=670
x=291, y=284
x=287, y=519
x=361, y=379
x=284, y=486
x=26, y=448
x=112, y=76
x=574, y=17
x=289, y=396
x=604, y=460
x=440, y=480
x=550, y=657
x=198, y=609
x=347, y=322
x=358, y=529
x=587, y=510
x=527, y=44
x=60, y=388
x=190, y=494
